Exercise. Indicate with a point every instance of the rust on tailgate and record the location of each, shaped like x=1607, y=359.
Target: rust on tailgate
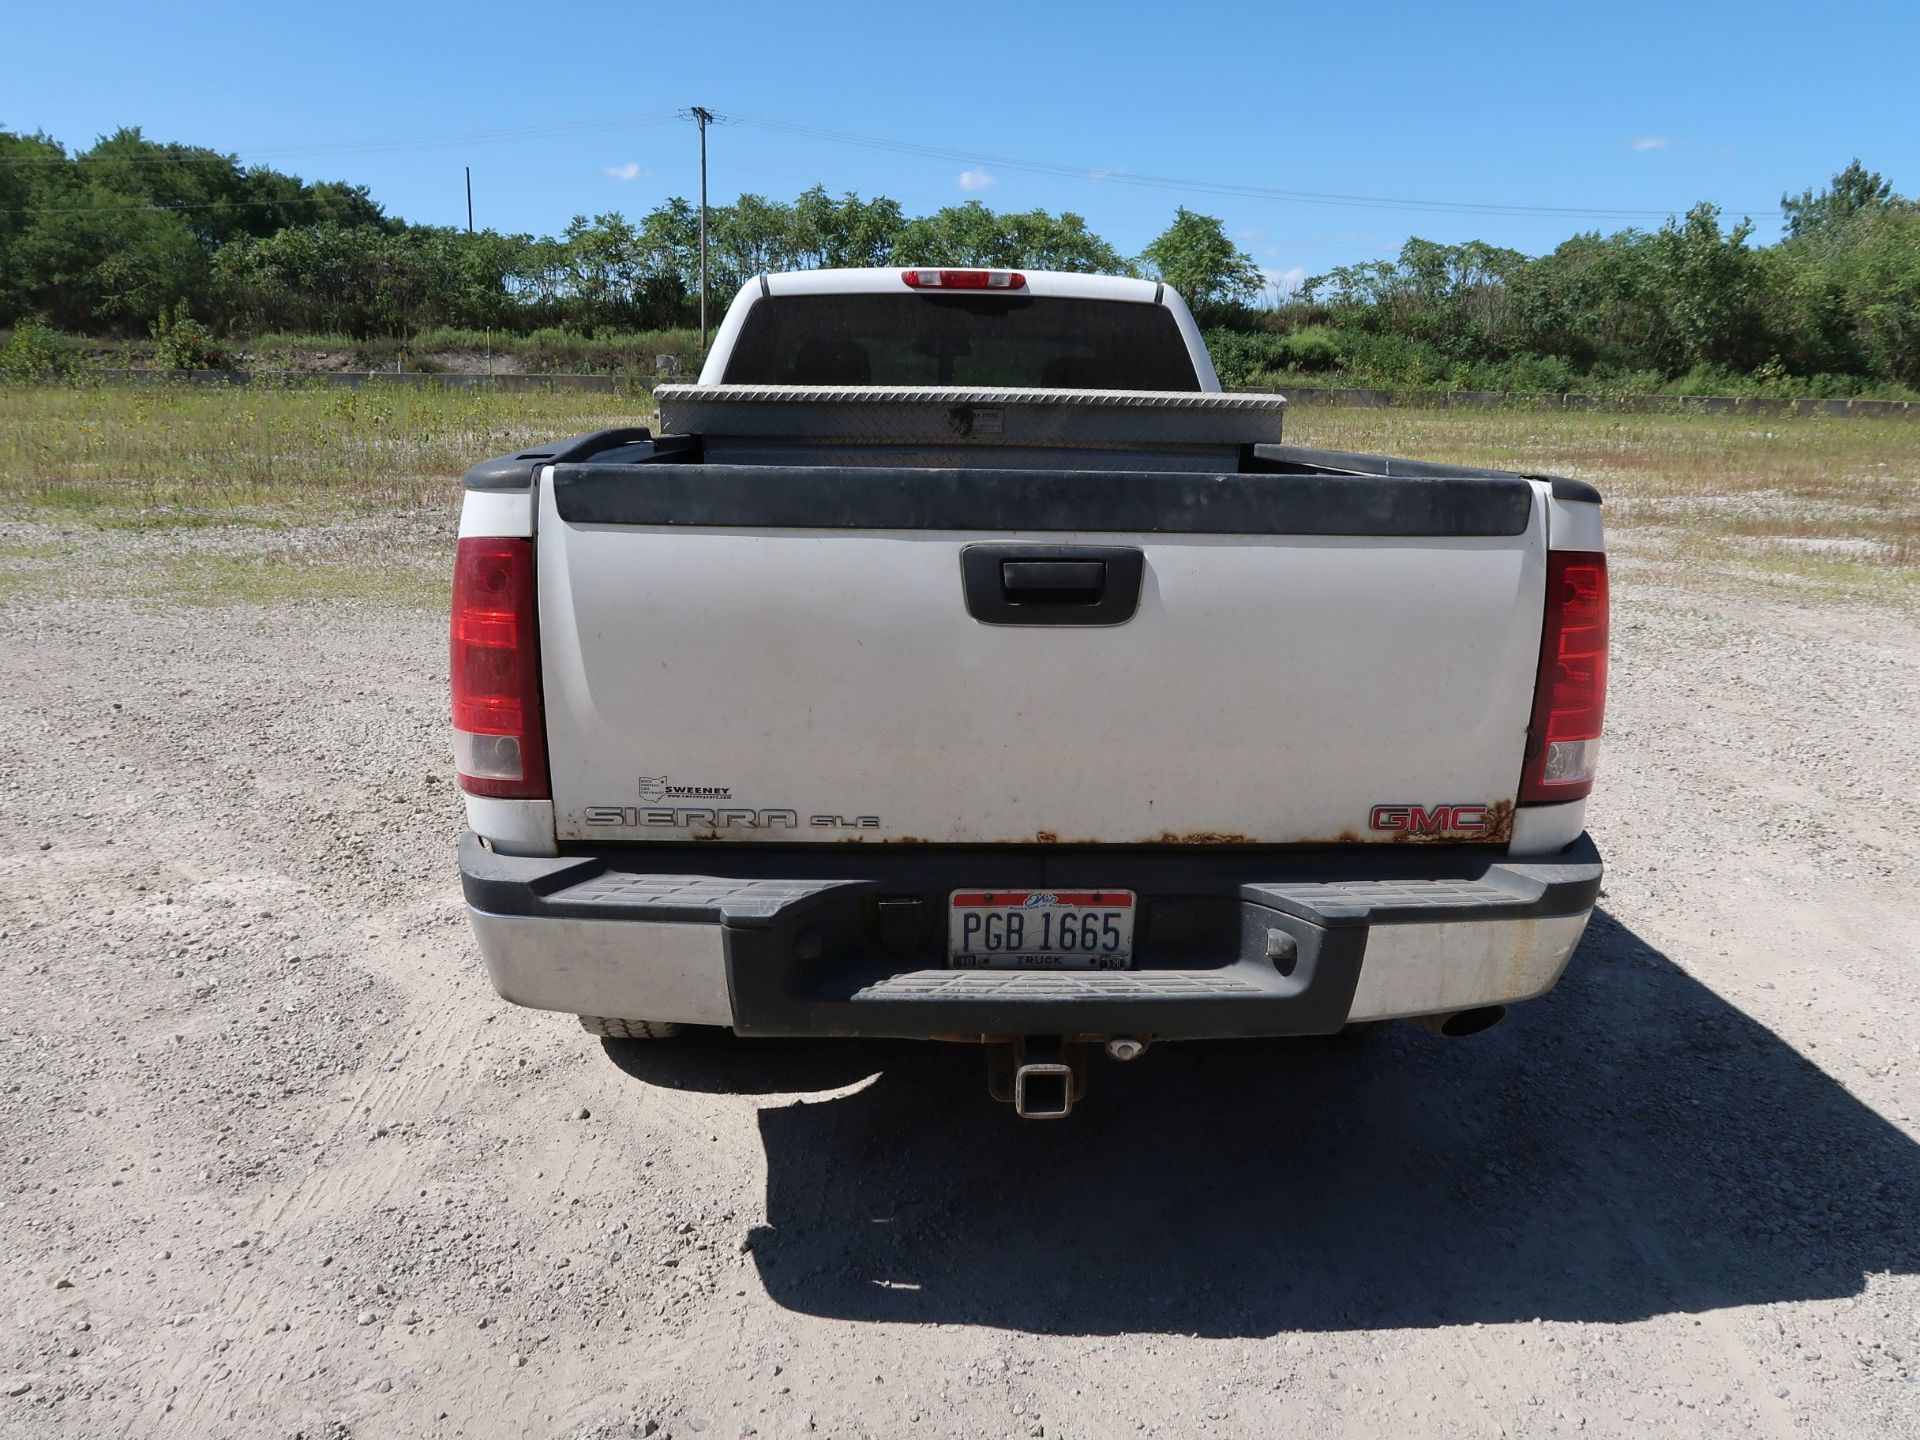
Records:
x=1496, y=829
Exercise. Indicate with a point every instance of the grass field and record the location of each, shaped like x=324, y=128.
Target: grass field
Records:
x=1823, y=503
x=182, y=455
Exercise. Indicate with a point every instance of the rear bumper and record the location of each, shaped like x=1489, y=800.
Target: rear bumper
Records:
x=851, y=941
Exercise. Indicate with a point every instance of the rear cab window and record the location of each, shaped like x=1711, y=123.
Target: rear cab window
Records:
x=1050, y=342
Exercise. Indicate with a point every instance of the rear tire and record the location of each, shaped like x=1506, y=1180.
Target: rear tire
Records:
x=609, y=1027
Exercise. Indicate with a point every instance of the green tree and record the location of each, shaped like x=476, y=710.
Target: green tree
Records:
x=606, y=271
x=488, y=268
x=1854, y=191
x=747, y=238
x=110, y=236
x=99, y=262
x=1876, y=286
x=217, y=197
x=35, y=175
x=115, y=237
x=845, y=233
x=359, y=279
x=1195, y=256
x=1456, y=298
x=1707, y=283
x=971, y=234
x=1591, y=300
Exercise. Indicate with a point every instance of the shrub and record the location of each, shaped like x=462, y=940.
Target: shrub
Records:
x=1238, y=356
x=1550, y=374
x=33, y=352
x=614, y=351
x=1314, y=348
x=1387, y=361
x=181, y=342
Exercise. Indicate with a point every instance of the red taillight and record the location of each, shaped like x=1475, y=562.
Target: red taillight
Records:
x=499, y=741
x=1570, y=692
x=964, y=279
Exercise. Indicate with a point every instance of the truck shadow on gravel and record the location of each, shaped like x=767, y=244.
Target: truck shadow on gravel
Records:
x=1630, y=1146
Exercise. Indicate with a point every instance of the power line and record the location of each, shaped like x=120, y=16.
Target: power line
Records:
x=520, y=132
x=1204, y=187
x=155, y=205
x=705, y=117
x=551, y=130
x=481, y=137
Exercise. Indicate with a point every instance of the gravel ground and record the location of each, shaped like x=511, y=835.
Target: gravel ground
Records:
x=279, y=1164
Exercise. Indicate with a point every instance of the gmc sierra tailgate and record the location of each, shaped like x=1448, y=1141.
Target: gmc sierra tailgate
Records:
x=794, y=653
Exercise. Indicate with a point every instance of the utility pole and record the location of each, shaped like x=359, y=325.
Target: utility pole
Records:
x=703, y=116
x=469, y=199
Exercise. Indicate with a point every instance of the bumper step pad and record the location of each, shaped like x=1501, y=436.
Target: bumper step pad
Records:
x=1073, y=985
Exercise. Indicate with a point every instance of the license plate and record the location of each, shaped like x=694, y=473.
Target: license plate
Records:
x=1040, y=929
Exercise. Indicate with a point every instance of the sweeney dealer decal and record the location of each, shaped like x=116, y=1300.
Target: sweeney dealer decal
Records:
x=719, y=817
x=655, y=788
x=652, y=814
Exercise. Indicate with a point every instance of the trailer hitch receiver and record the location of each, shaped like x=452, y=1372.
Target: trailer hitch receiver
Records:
x=1042, y=1077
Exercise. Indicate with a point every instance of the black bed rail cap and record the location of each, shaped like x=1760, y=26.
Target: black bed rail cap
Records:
x=515, y=472
x=1351, y=462
x=827, y=497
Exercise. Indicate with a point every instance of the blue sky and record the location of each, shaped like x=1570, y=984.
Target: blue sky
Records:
x=1625, y=107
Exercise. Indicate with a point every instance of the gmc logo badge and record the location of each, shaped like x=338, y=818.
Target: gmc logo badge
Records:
x=1429, y=819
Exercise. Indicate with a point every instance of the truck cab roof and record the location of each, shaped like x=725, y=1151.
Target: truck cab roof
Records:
x=933, y=325
x=887, y=280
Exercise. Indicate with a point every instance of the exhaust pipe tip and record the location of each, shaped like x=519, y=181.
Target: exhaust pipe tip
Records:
x=1458, y=1024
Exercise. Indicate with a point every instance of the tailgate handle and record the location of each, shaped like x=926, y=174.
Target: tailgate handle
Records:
x=1063, y=577
x=1051, y=584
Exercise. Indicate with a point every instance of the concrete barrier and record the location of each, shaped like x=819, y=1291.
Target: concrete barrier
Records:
x=1576, y=401
x=1301, y=395
x=360, y=379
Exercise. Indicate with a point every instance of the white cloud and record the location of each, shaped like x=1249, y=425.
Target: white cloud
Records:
x=629, y=171
x=1652, y=142
x=976, y=180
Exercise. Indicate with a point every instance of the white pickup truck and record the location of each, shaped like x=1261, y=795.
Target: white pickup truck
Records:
x=961, y=663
